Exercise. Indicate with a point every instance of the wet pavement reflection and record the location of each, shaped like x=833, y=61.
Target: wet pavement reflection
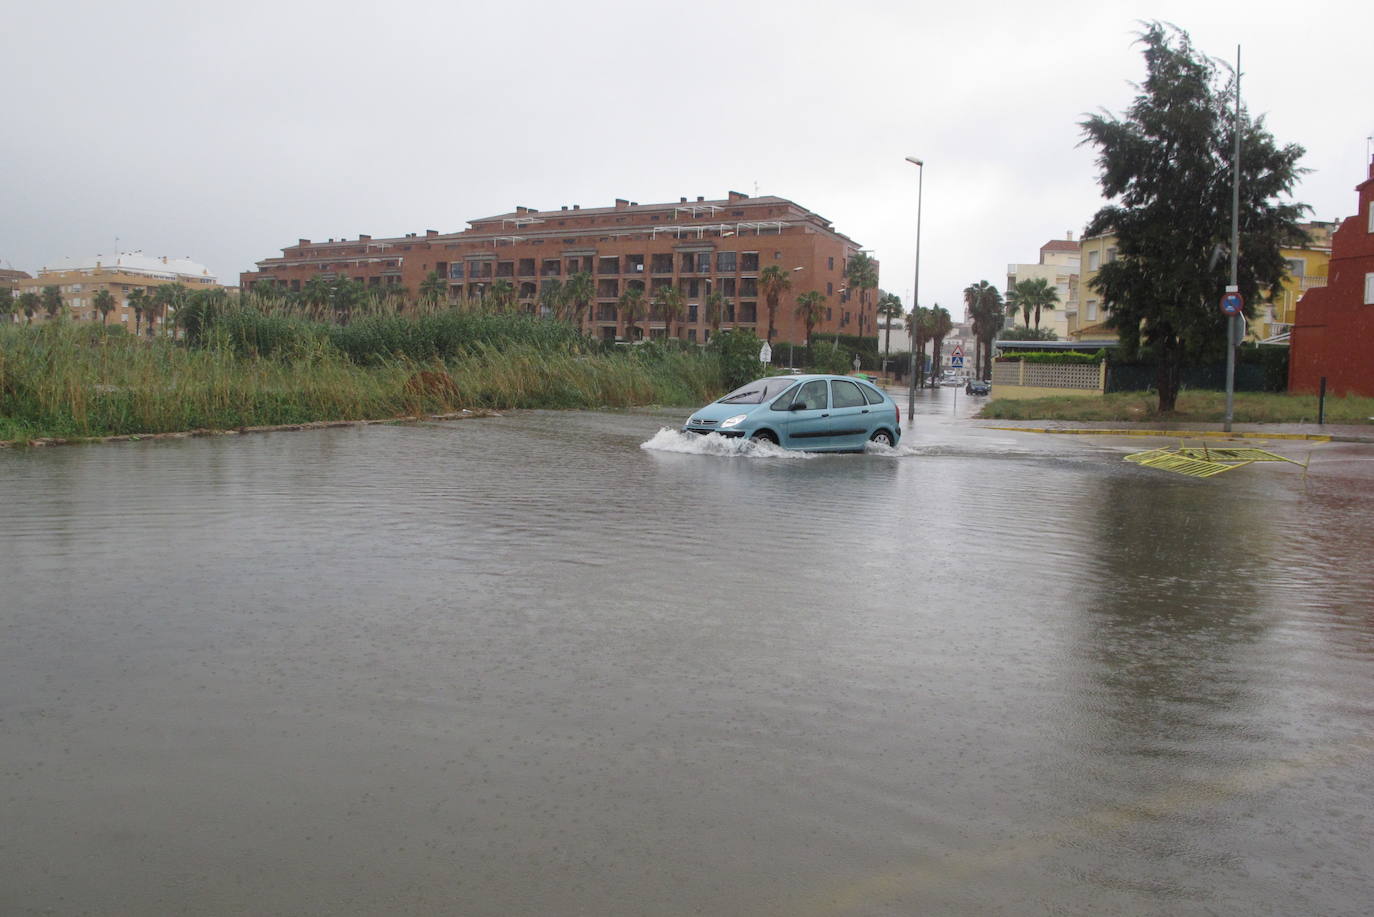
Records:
x=564, y=663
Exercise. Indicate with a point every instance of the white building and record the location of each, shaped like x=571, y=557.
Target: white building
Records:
x=1059, y=266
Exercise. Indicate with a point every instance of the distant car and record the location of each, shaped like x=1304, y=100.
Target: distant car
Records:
x=814, y=413
x=978, y=387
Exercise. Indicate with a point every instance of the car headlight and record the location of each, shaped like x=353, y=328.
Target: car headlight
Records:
x=733, y=421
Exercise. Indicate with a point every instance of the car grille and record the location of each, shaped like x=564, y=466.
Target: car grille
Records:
x=698, y=422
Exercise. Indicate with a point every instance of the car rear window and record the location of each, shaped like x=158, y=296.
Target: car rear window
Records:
x=759, y=391
x=872, y=394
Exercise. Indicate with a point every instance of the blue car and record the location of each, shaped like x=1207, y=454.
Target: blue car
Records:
x=811, y=413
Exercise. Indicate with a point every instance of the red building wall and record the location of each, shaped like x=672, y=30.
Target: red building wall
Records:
x=1333, y=335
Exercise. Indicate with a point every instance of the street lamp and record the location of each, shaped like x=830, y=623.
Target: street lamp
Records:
x=915, y=287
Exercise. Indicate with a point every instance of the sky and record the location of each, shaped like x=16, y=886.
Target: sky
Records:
x=223, y=132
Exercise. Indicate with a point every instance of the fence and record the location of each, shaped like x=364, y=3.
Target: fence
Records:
x=1019, y=379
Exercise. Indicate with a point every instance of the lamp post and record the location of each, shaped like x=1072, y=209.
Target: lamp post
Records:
x=915, y=287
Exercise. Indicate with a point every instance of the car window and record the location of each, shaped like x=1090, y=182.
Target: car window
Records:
x=845, y=394
x=758, y=391
x=813, y=395
x=872, y=394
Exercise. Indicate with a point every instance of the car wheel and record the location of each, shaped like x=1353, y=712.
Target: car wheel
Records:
x=881, y=438
x=763, y=436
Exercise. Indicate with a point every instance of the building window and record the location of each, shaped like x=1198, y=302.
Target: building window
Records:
x=749, y=261
x=725, y=262
x=1369, y=289
x=830, y=263
x=1092, y=310
x=829, y=287
x=1111, y=255
x=1094, y=260
x=1296, y=266
x=748, y=312
x=1371, y=216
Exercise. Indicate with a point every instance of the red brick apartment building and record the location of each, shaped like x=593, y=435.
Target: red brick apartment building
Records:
x=1333, y=332
x=698, y=246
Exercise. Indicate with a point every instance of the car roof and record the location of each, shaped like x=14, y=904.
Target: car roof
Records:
x=801, y=377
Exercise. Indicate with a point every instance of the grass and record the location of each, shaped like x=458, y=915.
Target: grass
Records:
x=68, y=381
x=1192, y=407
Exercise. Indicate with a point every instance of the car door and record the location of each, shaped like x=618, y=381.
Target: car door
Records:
x=850, y=415
x=808, y=417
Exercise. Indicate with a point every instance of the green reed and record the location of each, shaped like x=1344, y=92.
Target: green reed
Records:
x=63, y=380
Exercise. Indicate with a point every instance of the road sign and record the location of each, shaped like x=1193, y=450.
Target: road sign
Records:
x=1232, y=303
x=765, y=353
x=958, y=353
x=956, y=361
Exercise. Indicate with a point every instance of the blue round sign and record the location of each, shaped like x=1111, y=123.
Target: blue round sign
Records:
x=1232, y=303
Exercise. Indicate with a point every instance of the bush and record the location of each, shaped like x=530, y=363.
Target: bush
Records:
x=1053, y=356
x=738, y=353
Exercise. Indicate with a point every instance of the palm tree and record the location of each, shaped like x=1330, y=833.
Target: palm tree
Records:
x=918, y=327
x=166, y=300
x=810, y=309
x=984, y=305
x=138, y=302
x=7, y=303
x=502, y=294
x=345, y=294
x=51, y=299
x=198, y=314
x=316, y=294
x=774, y=282
x=433, y=290
x=672, y=302
x=632, y=309
x=890, y=308
x=578, y=293
x=938, y=324
x=862, y=274
x=551, y=295
x=715, y=310
x=104, y=304
x=1032, y=295
x=29, y=303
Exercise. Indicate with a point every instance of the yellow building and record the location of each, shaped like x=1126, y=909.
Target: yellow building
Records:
x=1307, y=268
x=79, y=280
x=1088, y=322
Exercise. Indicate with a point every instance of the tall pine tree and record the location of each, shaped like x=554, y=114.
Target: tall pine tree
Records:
x=1167, y=169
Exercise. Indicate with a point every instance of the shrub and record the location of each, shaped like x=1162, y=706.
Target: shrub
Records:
x=738, y=353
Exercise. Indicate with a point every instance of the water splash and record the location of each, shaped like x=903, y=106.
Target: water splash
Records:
x=666, y=440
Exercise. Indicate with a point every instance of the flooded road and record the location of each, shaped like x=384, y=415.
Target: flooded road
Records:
x=530, y=666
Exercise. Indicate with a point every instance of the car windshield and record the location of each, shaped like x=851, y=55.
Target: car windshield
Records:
x=760, y=390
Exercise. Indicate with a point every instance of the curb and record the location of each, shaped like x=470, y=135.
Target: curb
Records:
x=1184, y=434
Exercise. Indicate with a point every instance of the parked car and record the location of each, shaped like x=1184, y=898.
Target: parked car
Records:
x=978, y=387
x=814, y=413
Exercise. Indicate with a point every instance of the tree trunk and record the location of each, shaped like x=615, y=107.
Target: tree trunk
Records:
x=1167, y=374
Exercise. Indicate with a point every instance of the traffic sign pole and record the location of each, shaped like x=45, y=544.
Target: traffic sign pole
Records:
x=1233, y=305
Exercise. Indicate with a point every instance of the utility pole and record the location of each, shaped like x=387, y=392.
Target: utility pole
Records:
x=1233, y=320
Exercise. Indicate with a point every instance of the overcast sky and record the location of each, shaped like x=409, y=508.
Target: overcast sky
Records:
x=224, y=131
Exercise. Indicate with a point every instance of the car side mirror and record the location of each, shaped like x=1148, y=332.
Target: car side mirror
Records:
x=798, y=406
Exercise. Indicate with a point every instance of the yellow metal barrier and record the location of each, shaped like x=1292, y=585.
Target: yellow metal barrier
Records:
x=1203, y=461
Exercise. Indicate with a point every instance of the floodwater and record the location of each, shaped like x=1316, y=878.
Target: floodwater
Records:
x=563, y=663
